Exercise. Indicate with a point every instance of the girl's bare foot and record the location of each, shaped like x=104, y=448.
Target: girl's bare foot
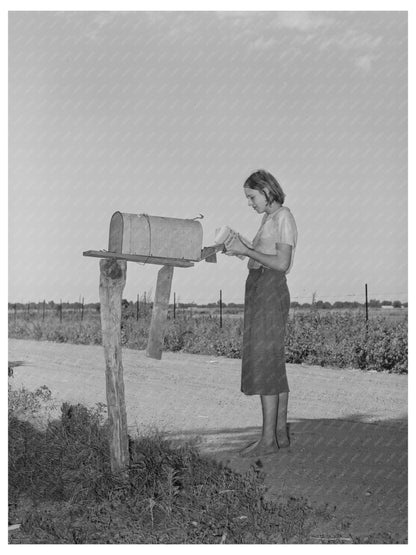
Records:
x=282, y=437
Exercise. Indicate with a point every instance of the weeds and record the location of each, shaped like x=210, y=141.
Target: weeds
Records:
x=172, y=495
x=28, y=405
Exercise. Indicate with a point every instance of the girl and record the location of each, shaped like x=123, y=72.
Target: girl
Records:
x=266, y=308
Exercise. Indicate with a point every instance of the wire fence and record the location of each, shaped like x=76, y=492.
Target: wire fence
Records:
x=142, y=307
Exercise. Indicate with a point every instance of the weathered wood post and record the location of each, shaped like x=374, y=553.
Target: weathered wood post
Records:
x=112, y=282
x=159, y=313
x=366, y=303
x=220, y=308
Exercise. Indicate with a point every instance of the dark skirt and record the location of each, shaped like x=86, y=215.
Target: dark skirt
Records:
x=266, y=310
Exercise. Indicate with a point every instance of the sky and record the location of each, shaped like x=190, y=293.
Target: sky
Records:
x=167, y=113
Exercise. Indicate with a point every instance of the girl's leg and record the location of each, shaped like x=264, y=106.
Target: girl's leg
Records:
x=267, y=443
x=269, y=406
x=281, y=428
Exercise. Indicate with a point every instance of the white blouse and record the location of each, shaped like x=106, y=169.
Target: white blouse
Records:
x=278, y=227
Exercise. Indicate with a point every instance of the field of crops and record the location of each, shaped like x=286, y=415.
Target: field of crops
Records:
x=327, y=338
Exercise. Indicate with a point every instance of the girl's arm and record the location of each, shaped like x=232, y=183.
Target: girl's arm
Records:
x=279, y=261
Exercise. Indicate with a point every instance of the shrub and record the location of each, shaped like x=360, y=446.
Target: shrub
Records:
x=28, y=405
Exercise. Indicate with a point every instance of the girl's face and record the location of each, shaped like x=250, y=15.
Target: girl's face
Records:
x=256, y=199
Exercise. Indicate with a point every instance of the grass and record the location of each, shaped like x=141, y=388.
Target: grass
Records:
x=62, y=491
x=325, y=338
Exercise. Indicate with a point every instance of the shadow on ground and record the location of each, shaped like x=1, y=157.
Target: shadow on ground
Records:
x=357, y=468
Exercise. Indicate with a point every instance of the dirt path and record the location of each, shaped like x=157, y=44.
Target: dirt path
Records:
x=348, y=428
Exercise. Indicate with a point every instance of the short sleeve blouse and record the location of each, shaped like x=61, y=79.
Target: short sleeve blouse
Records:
x=278, y=227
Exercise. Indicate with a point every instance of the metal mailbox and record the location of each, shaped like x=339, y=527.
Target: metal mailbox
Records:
x=155, y=236
x=168, y=242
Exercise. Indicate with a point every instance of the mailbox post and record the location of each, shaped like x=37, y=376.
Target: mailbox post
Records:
x=112, y=281
x=159, y=312
x=167, y=242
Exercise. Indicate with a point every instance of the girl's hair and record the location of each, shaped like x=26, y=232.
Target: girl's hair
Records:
x=261, y=179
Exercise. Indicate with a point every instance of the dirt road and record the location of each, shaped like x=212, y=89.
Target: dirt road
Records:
x=348, y=428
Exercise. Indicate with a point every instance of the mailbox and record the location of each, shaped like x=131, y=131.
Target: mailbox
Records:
x=145, y=239
x=154, y=236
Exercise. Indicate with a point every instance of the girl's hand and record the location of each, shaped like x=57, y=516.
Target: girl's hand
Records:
x=235, y=246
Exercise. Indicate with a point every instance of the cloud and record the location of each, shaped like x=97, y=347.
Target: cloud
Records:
x=352, y=40
x=301, y=21
x=365, y=62
x=272, y=20
x=98, y=23
x=262, y=27
x=259, y=29
x=232, y=15
x=261, y=43
x=362, y=44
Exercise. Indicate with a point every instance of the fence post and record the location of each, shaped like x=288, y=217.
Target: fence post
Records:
x=220, y=308
x=174, y=306
x=43, y=310
x=366, y=303
x=137, y=307
x=112, y=282
x=60, y=312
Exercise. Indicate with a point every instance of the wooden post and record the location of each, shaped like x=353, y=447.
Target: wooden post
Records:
x=159, y=313
x=112, y=282
x=137, y=307
x=220, y=308
x=366, y=303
